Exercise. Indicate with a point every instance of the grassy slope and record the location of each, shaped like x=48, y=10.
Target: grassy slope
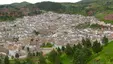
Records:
x=105, y=56
x=65, y=59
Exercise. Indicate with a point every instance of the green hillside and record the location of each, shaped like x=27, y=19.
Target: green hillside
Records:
x=105, y=56
x=22, y=4
x=102, y=9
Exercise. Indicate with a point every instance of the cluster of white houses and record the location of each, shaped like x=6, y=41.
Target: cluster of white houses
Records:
x=52, y=27
x=12, y=48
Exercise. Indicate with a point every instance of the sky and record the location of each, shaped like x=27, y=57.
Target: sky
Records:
x=34, y=1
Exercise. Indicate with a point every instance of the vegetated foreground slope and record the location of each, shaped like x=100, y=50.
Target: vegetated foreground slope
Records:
x=105, y=56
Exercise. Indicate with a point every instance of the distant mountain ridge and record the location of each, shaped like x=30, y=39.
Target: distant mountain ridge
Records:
x=22, y=4
x=97, y=8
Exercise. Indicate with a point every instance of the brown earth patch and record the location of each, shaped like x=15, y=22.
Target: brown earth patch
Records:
x=109, y=17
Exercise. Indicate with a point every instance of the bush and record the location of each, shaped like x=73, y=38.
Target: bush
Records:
x=86, y=42
x=47, y=45
x=105, y=40
x=97, y=47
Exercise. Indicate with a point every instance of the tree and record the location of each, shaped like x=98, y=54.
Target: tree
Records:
x=81, y=56
x=63, y=48
x=105, y=40
x=37, y=53
x=43, y=45
x=29, y=54
x=52, y=56
x=49, y=44
x=34, y=54
x=1, y=60
x=17, y=61
x=74, y=47
x=79, y=46
x=58, y=50
x=69, y=50
x=36, y=32
x=57, y=60
x=42, y=60
x=96, y=47
x=28, y=49
x=6, y=60
x=29, y=59
x=86, y=43
x=12, y=57
x=17, y=55
x=83, y=41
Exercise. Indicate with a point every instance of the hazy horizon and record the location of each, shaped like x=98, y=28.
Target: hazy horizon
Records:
x=34, y=1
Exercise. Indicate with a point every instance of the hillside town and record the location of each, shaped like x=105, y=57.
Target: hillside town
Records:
x=58, y=29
